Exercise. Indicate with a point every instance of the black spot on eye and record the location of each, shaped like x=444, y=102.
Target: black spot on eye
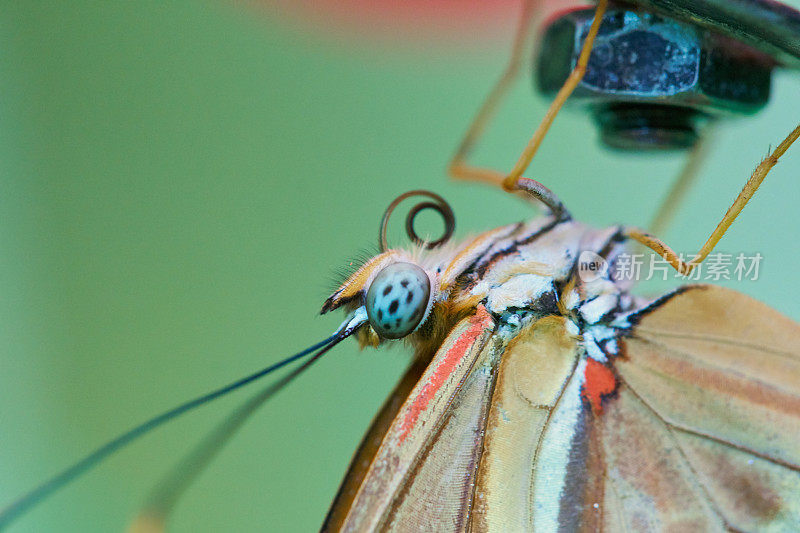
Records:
x=380, y=314
x=397, y=322
x=387, y=290
x=409, y=297
x=414, y=315
x=404, y=283
x=393, y=307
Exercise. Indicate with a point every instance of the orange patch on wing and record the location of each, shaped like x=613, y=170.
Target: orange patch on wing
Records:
x=478, y=322
x=598, y=381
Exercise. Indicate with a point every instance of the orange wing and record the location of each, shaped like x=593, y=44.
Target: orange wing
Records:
x=467, y=429
x=711, y=378
x=444, y=409
x=693, y=427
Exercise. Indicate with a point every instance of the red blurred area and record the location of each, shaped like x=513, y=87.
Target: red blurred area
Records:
x=408, y=23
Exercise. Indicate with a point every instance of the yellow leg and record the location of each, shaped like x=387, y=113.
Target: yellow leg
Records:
x=687, y=177
x=575, y=77
x=544, y=195
x=458, y=167
x=761, y=171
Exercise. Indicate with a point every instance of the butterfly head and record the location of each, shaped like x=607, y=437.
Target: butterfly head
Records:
x=398, y=299
x=396, y=290
x=399, y=289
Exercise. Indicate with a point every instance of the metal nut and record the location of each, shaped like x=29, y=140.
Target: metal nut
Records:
x=652, y=81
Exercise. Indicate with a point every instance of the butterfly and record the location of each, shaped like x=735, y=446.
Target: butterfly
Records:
x=444, y=340
x=541, y=398
x=559, y=401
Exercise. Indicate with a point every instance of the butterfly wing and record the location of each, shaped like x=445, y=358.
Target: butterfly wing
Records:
x=467, y=430
x=695, y=428
x=442, y=409
x=365, y=454
x=711, y=378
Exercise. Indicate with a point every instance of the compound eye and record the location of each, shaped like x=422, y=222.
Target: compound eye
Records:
x=397, y=300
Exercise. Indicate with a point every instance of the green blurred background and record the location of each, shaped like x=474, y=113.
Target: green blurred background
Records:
x=180, y=180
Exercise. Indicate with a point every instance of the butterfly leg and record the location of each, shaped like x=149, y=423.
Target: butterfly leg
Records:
x=459, y=168
x=575, y=77
x=544, y=195
x=685, y=267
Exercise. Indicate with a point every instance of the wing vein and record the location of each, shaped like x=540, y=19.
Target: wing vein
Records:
x=440, y=423
x=550, y=417
x=495, y=373
x=739, y=447
x=711, y=364
x=668, y=426
x=711, y=338
x=618, y=498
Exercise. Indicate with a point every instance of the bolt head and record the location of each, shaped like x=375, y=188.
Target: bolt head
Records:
x=652, y=80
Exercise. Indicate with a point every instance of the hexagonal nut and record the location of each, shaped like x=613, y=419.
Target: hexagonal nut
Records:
x=642, y=58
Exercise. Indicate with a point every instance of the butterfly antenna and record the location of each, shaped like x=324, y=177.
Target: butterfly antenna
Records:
x=163, y=499
x=41, y=492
